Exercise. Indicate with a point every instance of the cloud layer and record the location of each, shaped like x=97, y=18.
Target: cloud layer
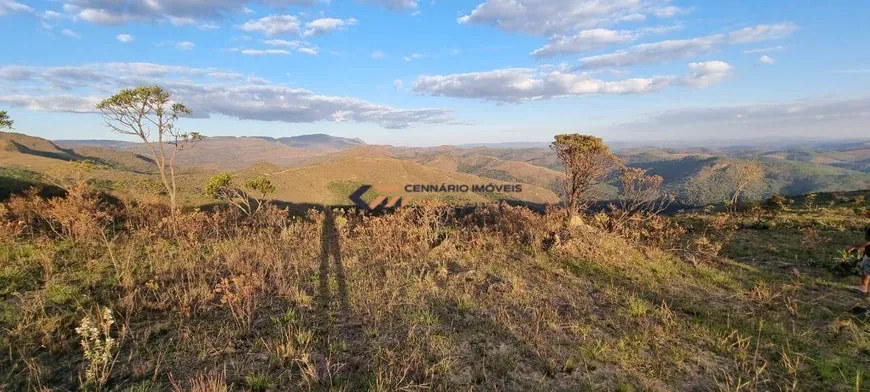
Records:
x=515, y=85
x=326, y=25
x=546, y=17
x=273, y=25
x=206, y=90
x=592, y=39
x=658, y=52
x=113, y=12
x=9, y=6
x=817, y=117
x=396, y=5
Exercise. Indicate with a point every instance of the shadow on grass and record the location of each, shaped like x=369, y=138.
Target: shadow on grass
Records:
x=11, y=185
x=330, y=248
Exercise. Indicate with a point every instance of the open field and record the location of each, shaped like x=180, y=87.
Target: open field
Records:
x=430, y=297
x=433, y=296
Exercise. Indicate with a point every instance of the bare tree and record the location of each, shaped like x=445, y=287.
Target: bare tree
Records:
x=640, y=194
x=742, y=176
x=5, y=121
x=148, y=113
x=587, y=162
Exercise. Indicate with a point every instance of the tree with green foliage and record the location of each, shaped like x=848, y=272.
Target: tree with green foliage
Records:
x=5, y=121
x=587, y=162
x=148, y=113
x=742, y=176
x=221, y=187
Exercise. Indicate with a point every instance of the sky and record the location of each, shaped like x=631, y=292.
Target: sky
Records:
x=432, y=72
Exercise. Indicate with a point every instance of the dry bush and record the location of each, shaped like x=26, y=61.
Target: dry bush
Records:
x=640, y=195
x=81, y=216
x=405, y=234
x=652, y=230
x=240, y=294
x=516, y=224
x=204, y=381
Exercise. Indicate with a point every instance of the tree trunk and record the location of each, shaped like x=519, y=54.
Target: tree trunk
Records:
x=572, y=210
x=172, y=202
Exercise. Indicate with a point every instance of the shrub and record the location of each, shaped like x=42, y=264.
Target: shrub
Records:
x=221, y=187
x=779, y=202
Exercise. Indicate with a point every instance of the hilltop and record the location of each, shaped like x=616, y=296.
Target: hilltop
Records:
x=303, y=175
x=428, y=296
x=695, y=175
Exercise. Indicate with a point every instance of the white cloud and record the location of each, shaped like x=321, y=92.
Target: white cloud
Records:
x=545, y=17
x=377, y=54
x=515, y=85
x=263, y=52
x=125, y=38
x=762, y=33
x=412, y=56
x=663, y=51
x=308, y=51
x=765, y=50
x=273, y=25
x=182, y=21
x=226, y=75
x=765, y=59
x=9, y=6
x=184, y=45
x=281, y=42
x=106, y=18
x=54, y=103
x=326, y=25
x=48, y=14
x=71, y=34
x=396, y=5
x=398, y=84
x=633, y=18
x=583, y=41
x=111, y=12
x=707, y=73
x=16, y=73
x=668, y=11
x=653, y=52
x=206, y=91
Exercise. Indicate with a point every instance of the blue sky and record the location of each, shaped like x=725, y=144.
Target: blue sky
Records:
x=408, y=72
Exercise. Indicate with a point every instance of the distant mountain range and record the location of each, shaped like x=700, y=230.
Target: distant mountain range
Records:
x=322, y=168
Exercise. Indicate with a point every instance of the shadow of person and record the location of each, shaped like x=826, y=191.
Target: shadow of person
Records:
x=330, y=248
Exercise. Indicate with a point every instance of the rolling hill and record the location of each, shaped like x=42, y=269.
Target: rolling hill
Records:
x=315, y=179
x=332, y=182
x=321, y=169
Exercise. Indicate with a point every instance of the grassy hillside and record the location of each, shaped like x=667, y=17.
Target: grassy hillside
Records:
x=327, y=183
x=497, y=299
x=324, y=179
x=697, y=180
x=495, y=168
x=350, y=153
x=695, y=175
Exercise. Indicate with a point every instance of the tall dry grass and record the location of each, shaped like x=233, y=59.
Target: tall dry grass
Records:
x=428, y=297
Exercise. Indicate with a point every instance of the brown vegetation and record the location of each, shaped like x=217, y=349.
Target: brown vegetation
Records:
x=428, y=297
